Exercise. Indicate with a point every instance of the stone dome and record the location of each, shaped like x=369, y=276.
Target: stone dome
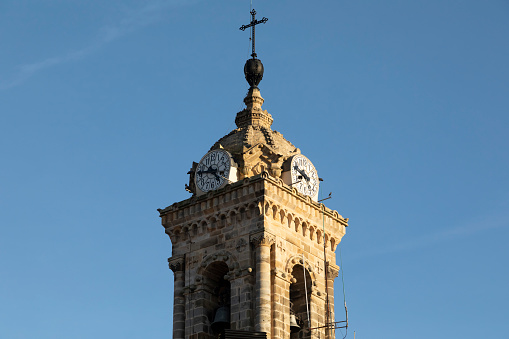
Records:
x=253, y=144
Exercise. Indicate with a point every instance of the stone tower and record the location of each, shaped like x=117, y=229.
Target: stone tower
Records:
x=252, y=249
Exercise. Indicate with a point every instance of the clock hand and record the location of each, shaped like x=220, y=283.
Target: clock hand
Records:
x=209, y=170
x=302, y=173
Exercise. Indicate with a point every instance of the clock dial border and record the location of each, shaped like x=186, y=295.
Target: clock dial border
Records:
x=213, y=170
x=308, y=183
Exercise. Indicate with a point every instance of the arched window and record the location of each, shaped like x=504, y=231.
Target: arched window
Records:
x=300, y=297
x=217, y=302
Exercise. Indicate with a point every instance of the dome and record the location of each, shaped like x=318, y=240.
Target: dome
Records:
x=253, y=144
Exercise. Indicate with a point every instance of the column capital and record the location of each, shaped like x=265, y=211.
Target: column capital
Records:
x=332, y=271
x=262, y=239
x=176, y=263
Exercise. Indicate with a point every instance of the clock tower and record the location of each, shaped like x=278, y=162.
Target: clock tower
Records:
x=253, y=251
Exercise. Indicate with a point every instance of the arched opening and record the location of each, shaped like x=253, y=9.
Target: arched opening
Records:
x=217, y=302
x=300, y=297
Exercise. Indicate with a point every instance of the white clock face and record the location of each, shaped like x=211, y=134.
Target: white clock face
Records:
x=213, y=170
x=304, y=176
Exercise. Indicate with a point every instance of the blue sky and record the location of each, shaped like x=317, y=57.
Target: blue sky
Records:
x=401, y=105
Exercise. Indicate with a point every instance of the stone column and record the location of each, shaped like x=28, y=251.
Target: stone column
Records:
x=262, y=242
x=177, y=265
x=332, y=273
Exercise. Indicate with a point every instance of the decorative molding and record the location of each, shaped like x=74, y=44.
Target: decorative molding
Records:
x=262, y=239
x=281, y=245
x=181, y=227
x=332, y=271
x=282, y=275
x=297, y=260
x=225, y=256
x=176, y=263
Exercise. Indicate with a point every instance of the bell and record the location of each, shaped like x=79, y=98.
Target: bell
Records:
x=293, y=323
x=221, y=319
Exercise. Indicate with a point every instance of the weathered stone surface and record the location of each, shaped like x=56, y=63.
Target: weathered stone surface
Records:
x=261, y=230
x=254, y=145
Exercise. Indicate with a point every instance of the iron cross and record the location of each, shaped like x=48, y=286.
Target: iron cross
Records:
x=253, y=23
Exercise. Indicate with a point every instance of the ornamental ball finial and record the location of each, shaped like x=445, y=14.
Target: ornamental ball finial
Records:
x=253, y=70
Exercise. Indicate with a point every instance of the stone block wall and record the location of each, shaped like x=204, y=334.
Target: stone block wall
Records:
x=260, y=230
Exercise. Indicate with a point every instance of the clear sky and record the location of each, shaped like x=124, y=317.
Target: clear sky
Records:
x=403, y=107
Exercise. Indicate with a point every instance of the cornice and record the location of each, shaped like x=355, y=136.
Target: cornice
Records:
x=261, y=196
x=264, y=176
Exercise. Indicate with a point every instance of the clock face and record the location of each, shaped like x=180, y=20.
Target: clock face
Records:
x=304, y=176
x=213, y=170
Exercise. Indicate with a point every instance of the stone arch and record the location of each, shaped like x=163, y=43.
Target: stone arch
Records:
x=221, y=220
x=282, y=216
x=302, y=281
x=252, y=210
x=297, y=260
x=194, y=229
x=242, y=213
x=319, y=236
x=212, y=222
x=289, y=218
x=274, y=211
x=225, y=256
x=312, y=232
x=297, y=223
x=266, y=208
x=300, y=301
x=232, y=217
x=332, y=244
x=304, y=228
x=216, y=290
x=203, y=225
x=214, y=275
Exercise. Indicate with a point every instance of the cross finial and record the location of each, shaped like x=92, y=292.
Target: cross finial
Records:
x=253, y=23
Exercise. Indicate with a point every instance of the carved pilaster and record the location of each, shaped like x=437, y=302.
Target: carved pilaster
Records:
x=177, y=265
x=262, y=242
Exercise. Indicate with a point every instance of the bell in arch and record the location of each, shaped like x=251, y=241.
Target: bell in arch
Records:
x=221, y=319
x=293, y=323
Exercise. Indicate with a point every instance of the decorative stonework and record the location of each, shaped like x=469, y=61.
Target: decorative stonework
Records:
x=223, y=256
x=236, y=214
x=253, y=115
x=297, y=260
x=282, y=275
x=262, y=239
x=332, y=271
x=176, y=264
